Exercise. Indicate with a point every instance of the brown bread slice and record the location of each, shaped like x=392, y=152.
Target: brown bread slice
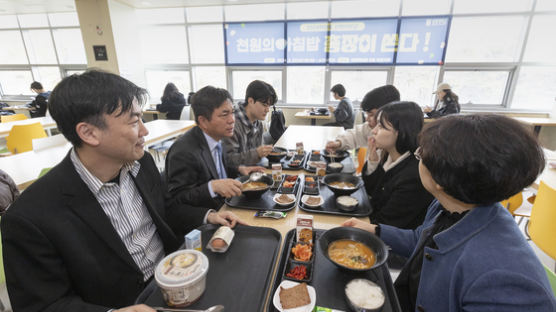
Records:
x=294, y=297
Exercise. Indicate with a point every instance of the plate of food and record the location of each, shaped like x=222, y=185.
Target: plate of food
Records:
x=312, y=201
x=283, y=199
x=291, y=296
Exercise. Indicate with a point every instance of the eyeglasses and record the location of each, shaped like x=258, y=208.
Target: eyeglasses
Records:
x=265, y=104
x=417, y=153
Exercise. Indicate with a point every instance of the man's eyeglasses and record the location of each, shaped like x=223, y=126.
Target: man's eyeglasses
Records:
x=265, y=104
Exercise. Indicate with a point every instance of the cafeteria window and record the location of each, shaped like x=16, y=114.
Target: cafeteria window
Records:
x=478, y=87
x=356, y=82
x=305, y=85
x=157, y=80
x=13, y=82
x=242, y=78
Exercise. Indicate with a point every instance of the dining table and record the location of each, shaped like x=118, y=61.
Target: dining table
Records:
x=47, y=123
x=25, y=168
x=310, y=114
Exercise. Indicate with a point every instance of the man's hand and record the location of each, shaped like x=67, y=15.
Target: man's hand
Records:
x=427, y=109
x=331, y=109
x=356, y=223
x=264, y=150
x=332, y=146
x=226, y=187
x=246, y=170
x=136, y=308
x=373, y=155
x=226, y=218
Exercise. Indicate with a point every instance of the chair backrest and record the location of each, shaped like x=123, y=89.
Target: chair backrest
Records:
x=361, y=159
x=43, y=143
x=513, y=202
x=14, y=117
x=186, y=113
x=542, y=224
x=20, y=138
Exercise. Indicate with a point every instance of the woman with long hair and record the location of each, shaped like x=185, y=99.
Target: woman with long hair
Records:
x=446, y=102
x=173, y=102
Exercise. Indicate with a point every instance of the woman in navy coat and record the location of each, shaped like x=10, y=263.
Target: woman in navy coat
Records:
x=469, y=254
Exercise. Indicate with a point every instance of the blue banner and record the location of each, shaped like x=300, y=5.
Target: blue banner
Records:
x=422, y=40
x=307, y=42
x=255, y=43
x=415, y=41
x=368, y=41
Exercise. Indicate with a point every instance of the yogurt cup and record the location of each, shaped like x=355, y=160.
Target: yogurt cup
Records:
x=181, y=277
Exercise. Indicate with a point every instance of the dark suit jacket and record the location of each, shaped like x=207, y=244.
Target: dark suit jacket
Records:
x=189, y=168
x=397, y=196
x=61, y=253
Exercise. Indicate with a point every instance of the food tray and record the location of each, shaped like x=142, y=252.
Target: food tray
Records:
x=265, y=202
x=238, y=279
x=349, y=166
x=329, y=206
x=329, y=281
x=286, y=163
x=289, y=190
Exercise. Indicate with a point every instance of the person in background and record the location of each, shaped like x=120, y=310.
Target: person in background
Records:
x=246, y=145
x=391, y=174
x=88, y=234
x=39, y=105
x=197, y=174
x=8, y=191
x=343, y=113
x=469, y=254
x=359, y=135
x=173, y=102
x=446, y=102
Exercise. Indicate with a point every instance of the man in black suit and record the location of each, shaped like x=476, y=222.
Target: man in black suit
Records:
x=196, y=173
x=88, y=235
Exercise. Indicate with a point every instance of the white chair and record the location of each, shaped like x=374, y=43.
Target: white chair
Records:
x=44, y=143
x=186, y=113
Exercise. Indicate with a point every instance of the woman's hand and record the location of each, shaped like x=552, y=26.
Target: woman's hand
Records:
x=356, y=223
x=372, y=153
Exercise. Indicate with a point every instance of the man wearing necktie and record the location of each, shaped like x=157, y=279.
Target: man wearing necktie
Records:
x=197, y=174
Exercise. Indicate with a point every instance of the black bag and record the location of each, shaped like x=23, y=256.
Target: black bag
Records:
x=277, y=123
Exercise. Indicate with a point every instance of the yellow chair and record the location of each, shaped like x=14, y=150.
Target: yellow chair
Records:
x=542, y=224
x=20, y=138
x=361, y=159
x=513, y=203
x=14, y=117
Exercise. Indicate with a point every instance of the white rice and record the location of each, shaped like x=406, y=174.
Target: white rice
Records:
x=365, y=294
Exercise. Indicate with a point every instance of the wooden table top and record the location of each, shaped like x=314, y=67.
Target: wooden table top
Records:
x=46, y=122
x=17, y=107
x=536, y=121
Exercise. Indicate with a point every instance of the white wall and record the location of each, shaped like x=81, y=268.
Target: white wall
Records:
x=127, y=42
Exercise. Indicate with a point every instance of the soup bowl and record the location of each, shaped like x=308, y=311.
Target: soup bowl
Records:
x=277, y=154
x=257, y=192
x=366, y=238
x=337, y=155
x=342, y=177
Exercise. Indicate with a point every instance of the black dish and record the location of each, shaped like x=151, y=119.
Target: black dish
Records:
x=276, y=158
x=342, y=177
x=257, y=193
x=367, y=238
x=338, y=155
x=322, y=110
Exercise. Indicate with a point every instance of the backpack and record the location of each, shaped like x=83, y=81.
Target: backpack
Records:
x=277, y=123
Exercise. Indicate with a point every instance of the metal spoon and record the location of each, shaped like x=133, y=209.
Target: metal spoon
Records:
x=254, y=177
x=216, y=308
